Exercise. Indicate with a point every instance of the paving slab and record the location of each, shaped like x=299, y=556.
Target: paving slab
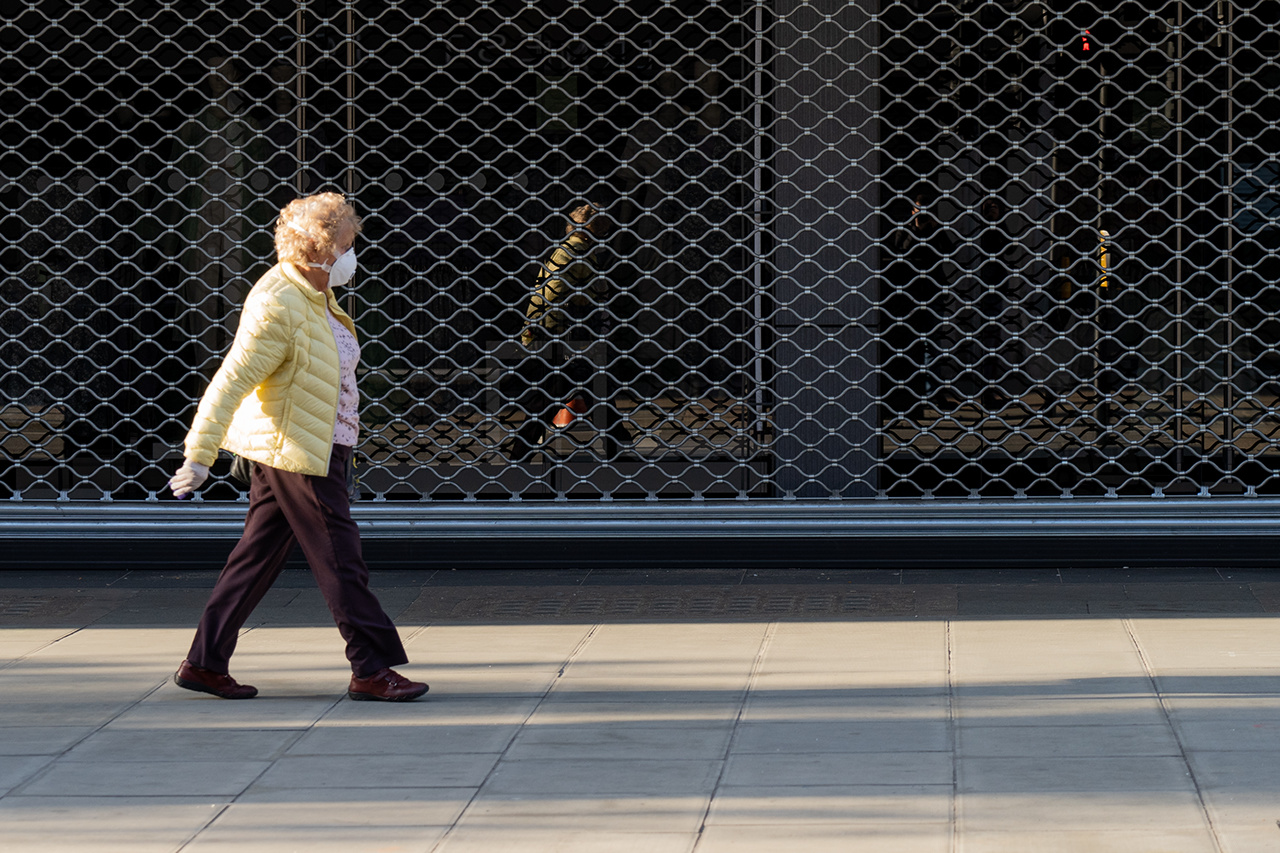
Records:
x=559, y=709
x=1238, y=775
x=1259, y=839
x=144, y=778
x=253, y=832
x=1069, y=774
x=847, y=703
x=1229, y=734
x=1056, y=704
x=420, y=738
x=433, y=710
x=658, y=687
x=17, y=769
x=827, y=769
x=1268, y=595
x=352, y=807
x=40, y=740
x=519, y=839
x=827, y=838
x=464, y=646
x=1060, y=647
x=1088, y=841
x=603, y=776
x=273, y=644
x=341, y=772
x=1247, y=708
x=1004, y=694
x=853, y=683
x=17, y=643
x=834, y=736
x=844, y=805
x=171, y=707
x=634, y=814
x=621, y=741
x=1222, y=644
x=1245, y=813
x=1055, y=739
x=112, y=824
x=1234, y=683
x=483, y=682
x=887, y=646
x=127, y=743
x=1069, y=811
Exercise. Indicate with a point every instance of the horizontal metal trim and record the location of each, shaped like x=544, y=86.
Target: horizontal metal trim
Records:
x=1164, y=517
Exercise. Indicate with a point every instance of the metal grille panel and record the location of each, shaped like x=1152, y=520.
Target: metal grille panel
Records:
x=859, y=250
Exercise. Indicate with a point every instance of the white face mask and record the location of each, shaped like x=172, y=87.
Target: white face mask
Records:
x=341, y=270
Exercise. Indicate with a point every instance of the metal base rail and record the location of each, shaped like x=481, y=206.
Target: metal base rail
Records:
x=1172, y=517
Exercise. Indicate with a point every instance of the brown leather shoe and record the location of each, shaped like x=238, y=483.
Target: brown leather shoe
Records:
x=203, y=680
x=385, y=685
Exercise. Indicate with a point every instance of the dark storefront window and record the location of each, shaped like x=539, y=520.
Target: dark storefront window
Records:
x=873, y=250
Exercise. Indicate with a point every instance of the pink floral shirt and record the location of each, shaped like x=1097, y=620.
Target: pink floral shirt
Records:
x=346, y=430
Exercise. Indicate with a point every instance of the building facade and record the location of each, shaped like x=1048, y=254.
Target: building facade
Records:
x=862, y=253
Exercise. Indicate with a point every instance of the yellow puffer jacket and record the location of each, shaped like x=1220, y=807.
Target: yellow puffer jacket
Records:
x=274, y=400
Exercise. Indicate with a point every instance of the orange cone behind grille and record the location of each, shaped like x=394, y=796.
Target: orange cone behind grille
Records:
x=571, y=410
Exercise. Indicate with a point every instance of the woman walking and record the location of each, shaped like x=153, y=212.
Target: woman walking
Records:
x=285, y=400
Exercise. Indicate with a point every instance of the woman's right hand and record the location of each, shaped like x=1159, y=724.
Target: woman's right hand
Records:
x=188, y=478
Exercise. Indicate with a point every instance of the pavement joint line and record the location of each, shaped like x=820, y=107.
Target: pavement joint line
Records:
x=17, y=790
x=298, y=734
x=413, y=632
x=766, y=642
x=27, y=655
x=1214, y=832
x=577, y=649
x=953, y=840
x=223, y=807
x=219, y=812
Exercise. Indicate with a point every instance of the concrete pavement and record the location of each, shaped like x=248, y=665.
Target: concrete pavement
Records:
x=683, y=711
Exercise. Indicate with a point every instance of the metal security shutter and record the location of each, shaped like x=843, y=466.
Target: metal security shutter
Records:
x=859, y=250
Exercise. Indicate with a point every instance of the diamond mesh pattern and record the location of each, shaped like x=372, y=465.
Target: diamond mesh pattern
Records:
x=858, y=250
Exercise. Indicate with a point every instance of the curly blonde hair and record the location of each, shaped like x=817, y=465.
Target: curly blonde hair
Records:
x=308, y=228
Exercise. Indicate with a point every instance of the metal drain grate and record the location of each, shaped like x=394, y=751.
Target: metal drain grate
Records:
x=704, y=604
x=38, y=607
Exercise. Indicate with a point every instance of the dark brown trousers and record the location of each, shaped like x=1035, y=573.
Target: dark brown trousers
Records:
x=315, y=512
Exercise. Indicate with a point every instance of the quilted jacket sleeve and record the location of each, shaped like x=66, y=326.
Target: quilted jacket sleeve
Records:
x=566, y=274
x=262, y=345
